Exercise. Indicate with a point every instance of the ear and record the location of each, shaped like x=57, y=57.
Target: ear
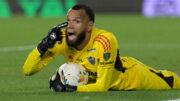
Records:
x=90, y=26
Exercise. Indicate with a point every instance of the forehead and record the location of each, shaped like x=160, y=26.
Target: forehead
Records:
x=77, y=14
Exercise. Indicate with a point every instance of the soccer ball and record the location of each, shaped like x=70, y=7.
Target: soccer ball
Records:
x=73, y=74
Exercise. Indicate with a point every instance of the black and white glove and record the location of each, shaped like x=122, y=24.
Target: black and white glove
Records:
x=56, y=85
x=54, y=35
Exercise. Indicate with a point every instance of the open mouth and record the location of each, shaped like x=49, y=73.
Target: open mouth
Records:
x=71, y=36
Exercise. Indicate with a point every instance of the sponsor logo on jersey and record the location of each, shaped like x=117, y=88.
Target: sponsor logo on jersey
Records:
x=123, y=60
x=71, y=49
x=53, y=36
x=106, y=56
x=91, y=50
x=79, y=60
x=106, y=63
x=91, y=60
x=92, y=73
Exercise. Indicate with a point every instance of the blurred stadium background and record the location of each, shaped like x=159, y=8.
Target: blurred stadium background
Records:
x=57, y=8
x=146, y=29
x=37, y=7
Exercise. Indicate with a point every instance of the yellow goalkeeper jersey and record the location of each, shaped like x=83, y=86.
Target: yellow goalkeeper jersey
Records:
x=101, y=59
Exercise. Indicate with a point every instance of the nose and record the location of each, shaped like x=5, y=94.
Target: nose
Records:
x=70, y=25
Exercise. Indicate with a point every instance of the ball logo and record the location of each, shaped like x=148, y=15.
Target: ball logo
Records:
x=73, y=74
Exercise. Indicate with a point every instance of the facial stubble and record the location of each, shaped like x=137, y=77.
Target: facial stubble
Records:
x=78, y=41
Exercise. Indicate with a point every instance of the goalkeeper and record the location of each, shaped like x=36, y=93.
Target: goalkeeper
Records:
x=97, y=50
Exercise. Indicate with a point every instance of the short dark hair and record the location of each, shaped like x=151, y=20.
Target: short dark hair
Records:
x=87, y=9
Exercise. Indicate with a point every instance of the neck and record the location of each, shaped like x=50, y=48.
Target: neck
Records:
x=84, y=42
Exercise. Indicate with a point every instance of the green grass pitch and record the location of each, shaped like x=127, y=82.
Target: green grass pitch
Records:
x=155, y=42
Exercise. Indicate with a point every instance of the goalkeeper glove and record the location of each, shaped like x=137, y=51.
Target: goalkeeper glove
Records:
x=57, y=86
x=54, y=35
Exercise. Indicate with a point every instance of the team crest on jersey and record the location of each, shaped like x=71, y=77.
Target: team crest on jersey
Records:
x=91, y=60
x=106, y=56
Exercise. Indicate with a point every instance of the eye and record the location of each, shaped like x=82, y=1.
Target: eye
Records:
x=67, y=19
x=77, y=21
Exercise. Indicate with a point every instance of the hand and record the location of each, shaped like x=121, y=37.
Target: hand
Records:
x=57, y=86
x=54, y=35
x=55, y=83
x=69, y=88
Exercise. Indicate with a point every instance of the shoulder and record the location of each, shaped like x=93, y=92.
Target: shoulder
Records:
x=103, y=34
x=105, y=39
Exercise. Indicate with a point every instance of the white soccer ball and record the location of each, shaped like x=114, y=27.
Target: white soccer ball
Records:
x=73, y=74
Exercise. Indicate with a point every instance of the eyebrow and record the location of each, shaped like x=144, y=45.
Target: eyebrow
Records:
x=77, y=17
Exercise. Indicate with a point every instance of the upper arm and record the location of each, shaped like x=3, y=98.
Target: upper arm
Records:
x=107, y=57
x=34, y=63
x=106, y=47
x=107, y=50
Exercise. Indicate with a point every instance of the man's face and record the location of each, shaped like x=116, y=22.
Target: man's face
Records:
x=77, y=27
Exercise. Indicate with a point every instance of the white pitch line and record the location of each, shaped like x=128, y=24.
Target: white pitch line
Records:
x=178, y=99
x=121, y=46
x=17, y=48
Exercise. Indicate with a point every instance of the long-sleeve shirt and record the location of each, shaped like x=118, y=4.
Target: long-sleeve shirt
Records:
x=98, y=57
x=107, y=71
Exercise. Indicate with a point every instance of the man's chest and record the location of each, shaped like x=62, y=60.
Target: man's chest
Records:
x=88, y=58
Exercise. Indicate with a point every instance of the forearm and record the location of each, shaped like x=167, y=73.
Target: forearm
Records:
x=35, y=62
x=31, y=65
